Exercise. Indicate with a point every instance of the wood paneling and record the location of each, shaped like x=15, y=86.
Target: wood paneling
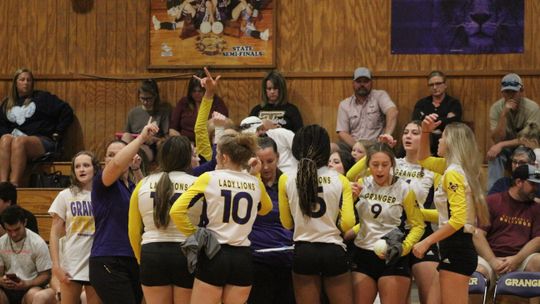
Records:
x=318, y=46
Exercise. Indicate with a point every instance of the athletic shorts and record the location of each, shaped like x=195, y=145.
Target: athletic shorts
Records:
x=458, y=254
x=432, y=255
x=324, y=259
x=14, y=296
x=368, y=263
x=232, y=265
x=163, y=264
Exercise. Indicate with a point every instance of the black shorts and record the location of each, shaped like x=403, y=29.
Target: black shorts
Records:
x=232, y=265
x=14, y=296
x=367, y=262
x=83, y=283
x=324, y=259
x=432, y=255
x=458, y=254
x=163, y=264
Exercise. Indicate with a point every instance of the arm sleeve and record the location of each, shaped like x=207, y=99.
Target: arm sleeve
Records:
x=385, y=103
x=494, y=114
x=454, y=184
x=415, y=221
x=435, y=164
x=266, y=201
x=63, y=112
x=285, y=215
x=220, y=107
x=430, y=215
x=43, y=257
x=179, y=210
x=418, y=113
x=296, y=118
x=455, y=107
x=347, y=209
x=135, y=224
x=356, y=169
x=202, y=141
x=255, y=111
x=342, y=123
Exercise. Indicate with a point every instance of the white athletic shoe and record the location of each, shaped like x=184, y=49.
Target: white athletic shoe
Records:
x=157, y=24
x=265, y=35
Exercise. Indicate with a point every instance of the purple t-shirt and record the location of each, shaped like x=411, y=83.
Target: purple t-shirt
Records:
x=513, y=223
x=267, y=232
x=111, y=207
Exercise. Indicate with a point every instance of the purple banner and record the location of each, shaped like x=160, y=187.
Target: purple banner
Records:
x=457, y=26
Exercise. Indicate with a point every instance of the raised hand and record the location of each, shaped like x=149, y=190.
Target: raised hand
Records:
x=209, y=83
x=430, y=123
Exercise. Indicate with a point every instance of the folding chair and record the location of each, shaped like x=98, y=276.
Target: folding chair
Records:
x=478, y=284
x=521, y=284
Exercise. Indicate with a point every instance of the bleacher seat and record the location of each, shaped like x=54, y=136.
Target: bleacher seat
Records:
x=519, y=283
x=478, y=284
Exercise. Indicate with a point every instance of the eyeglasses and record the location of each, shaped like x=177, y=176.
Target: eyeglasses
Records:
x=510, y=84
x=146, y=99
x=435, y=84
x=519, y=162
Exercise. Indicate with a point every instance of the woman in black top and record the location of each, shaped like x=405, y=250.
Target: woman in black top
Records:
x=30, y=123
x=275, y=103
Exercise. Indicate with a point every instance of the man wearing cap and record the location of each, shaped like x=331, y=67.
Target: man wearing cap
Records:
x=512, y=239
x=366, y=114
x=507, y=117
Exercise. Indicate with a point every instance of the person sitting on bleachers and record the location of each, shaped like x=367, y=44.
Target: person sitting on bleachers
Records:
x=152, y=108
x=511, y=241
x=25, y=263
x=31, y=124
x=8, y=197
x=521, y=156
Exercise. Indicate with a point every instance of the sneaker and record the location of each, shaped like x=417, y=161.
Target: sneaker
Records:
x=265, y=35
x=157, y=24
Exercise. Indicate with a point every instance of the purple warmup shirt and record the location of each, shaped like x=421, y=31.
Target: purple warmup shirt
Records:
x=111, y=206
x=267, y=232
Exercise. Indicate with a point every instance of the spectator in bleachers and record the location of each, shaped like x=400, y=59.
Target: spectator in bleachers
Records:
x=184, y=114
x=507, y=117
x=447, y=107
x=511, y=241
x=275, y=104
x=151, y=108
x=72, y=216
x=114, y=271
x=32, y=123
x=530, y=137
x=24, y=259
x=8, y=197
x=366, y=114
x=521, y=156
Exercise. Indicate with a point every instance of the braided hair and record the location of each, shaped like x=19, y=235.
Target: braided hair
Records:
x=311, y=146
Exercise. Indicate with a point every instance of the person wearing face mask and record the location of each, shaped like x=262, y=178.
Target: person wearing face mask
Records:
x=151, y=106
x=366, y=114
x=275, y=104
x=447, y=107
x=184, y=114
x=508, y=116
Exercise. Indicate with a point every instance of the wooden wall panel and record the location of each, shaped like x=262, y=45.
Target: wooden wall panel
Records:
x=319, y=44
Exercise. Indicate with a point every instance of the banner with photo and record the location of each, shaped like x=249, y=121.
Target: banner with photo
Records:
x=216, y=33
x=457, y=26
